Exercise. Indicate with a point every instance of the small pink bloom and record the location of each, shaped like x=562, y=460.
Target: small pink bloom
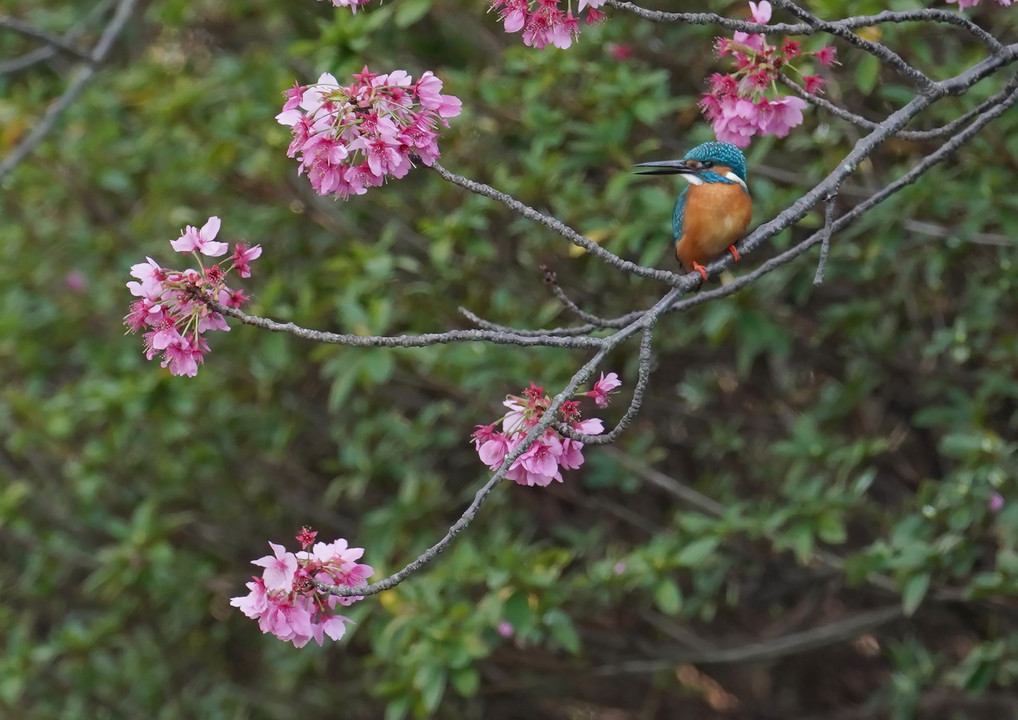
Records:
x=279, y=570
x=996, y=503
x=505, y=629
x=826, y=56
x=603, y=387
x=242, y=257
x=151, y=276
x=306, y=537
x=254, y=603
x=778, y=117
x=620, y=51
x=201, y=240
x=76, y=281
x=814, y=84
x=761, y=12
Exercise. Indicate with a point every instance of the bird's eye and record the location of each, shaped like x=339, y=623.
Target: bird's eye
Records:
x=706, y=164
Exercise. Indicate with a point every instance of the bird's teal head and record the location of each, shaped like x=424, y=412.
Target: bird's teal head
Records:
x=707, y=163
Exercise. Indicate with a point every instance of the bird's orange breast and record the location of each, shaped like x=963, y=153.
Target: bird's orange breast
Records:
x=716, y=216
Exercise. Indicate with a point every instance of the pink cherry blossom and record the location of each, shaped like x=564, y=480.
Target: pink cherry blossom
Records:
x=962, y=4
x=603, y=387
x=778, y=117
x=544, y=459
x=242, y=257
x=191, y=240
x=353, y=5
x=745, y=103
x=170, y=308
x=348, y=138
x=279, y=570
x=826, y=56
x=544, y=22
x=286, y=600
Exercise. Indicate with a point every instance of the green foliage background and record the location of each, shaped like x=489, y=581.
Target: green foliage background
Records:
x=872, y=417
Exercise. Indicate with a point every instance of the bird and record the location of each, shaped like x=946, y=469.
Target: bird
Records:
x=713, y=211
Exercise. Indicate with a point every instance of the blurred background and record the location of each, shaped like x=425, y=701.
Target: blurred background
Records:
x=802, y=522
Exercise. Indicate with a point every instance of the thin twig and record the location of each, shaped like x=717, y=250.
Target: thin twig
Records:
x=791, y=644
x=852, y=23
x=567, y=232
x=47, y=51
x=497, y=337
x=825, y=246
x=57, y=43
x=551, y=280
x=74, y=88
x=545, y=422
x=643, y=378
x=876, y=49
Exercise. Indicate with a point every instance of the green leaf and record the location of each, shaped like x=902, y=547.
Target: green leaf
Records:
x=867, y=73
x=430, y=681
x=694, y=554
x=914, y=592
x=668, y=596
x=830, y=528
x=561, y=627
x=517, y=612
x=466, y=681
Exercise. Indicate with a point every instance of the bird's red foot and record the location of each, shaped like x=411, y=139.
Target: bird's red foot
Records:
x=733, y=251
x=700, y=269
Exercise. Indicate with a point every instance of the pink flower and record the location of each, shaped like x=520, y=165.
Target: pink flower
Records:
x=171, y=307
x=75, y=281
x=735, y=120
x=306, y=537
x=761, y=12
x=777, y=117
x=996, y=503
x=505, y=628
x=353, y=5
x=286, y=601
x=151, y=276
x=279, y=570
x=603, y=387
x=814, y=84
x=348, y=138
x=201, y=240
x=255, y=603
x=741, y=104
x=242, y=257
x=542, y=462
x=826, y=56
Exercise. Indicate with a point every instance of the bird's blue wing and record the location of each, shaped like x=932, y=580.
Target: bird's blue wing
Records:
x=679, y=213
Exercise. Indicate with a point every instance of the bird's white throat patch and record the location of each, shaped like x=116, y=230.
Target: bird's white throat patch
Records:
x=735, y=178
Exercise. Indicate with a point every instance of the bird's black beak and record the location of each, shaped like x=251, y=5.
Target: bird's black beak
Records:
x=665, y=167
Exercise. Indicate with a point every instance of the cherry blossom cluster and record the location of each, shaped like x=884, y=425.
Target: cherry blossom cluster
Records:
x=962, y=4
x=543, y=461
x=170, y=306
x=543, y=22
x=738, y=105
x=286, y=601
x=352, y=4
x=348, y=138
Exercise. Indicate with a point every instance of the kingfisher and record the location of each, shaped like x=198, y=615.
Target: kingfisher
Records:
x=712, y=212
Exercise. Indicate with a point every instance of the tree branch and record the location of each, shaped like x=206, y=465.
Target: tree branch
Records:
x=73, y=90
